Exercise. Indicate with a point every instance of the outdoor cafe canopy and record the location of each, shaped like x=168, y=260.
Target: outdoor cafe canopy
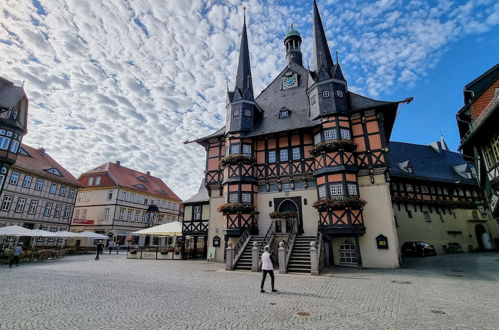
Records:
x=168, y=229
x=21, y=231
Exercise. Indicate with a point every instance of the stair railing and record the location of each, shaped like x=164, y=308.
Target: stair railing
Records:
x=321, y=257
x=267, y=239
x=241, y=244
x=290, y=242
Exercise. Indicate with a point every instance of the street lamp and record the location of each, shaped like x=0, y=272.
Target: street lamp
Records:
x=13, y=124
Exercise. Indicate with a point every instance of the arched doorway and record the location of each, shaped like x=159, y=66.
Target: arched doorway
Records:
x=348, y=253
x=289, y=205
x=479, y=230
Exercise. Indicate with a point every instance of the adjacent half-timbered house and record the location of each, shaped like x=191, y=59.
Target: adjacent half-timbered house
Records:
x=306, y=159
x=436, y=199
x=195, y=224
x=479, y=129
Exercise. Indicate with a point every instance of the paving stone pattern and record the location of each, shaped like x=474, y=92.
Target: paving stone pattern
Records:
x=77, y=292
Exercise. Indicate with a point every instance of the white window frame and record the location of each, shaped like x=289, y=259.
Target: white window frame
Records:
x=317, y=138
x=325, y=94
x=58, y=211
x=14, y=177
x=67, y=212
x=4, y=143
x=330, y=134
x=345, y=133
x=106, y=213
x=48, y=210
x=91, y=181
x=272, y=156
x=283, y=155
x=84, y=214
x=197, y=209
x=247, y=149
x=246, y=197
x=62, y=191
x=352, y=189
x=296, y=153
x=339, y=93
x=32, y=207
x=336, y=190
x=27, y=181
x=97, y=180
x=71, y=192
x=247, y=113
x=322, y=192
x=53, y=188
x=21, y=203
x=121, y=213
x=424, y=189
x=233, y=197
x=235, y=148
x=6, y=203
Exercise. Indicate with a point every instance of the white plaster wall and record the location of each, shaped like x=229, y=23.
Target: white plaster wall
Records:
x=217, y=225
x=378, y=219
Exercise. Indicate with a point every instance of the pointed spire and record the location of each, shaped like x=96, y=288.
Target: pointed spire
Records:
x=322, y=55
x=243, y=88
x=443, y=143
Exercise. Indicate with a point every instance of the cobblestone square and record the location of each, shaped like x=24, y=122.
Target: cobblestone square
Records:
x=76, y=292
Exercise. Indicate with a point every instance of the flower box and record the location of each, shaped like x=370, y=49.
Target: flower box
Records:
x=332, y=146
x=354, y=203
x=229, y=208
x=283, y=215
x=237, y=159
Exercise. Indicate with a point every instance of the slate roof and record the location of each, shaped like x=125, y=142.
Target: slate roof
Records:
x=38, y=162
x=10, y=95
x=427, y=163
x=129, y=178
x=200, y=197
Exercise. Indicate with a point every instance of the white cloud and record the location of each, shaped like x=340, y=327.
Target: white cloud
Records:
x=132, y=80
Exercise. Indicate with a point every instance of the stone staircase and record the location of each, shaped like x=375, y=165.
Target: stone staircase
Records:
x=299, y=261
x=244, y=262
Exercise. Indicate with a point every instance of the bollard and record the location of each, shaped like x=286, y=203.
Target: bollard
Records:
x=254, y=258
x=314, y=263
x=229, y=257
x=281, y=254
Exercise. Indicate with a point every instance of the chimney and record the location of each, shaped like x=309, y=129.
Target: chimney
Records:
x=42, y=150
x=118, y=163
x=148, y=173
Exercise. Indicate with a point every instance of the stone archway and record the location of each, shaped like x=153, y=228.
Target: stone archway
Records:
x=290, y=205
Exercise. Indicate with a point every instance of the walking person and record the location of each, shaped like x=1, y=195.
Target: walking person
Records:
x=110, y=246
x=18, y=251
x=100, y=248
x=267, y=268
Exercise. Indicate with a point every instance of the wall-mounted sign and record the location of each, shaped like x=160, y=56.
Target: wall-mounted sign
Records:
x=216, y=241
x=382, y=242
x=83, y=221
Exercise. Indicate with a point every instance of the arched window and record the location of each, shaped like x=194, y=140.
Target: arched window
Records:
x=348, y=254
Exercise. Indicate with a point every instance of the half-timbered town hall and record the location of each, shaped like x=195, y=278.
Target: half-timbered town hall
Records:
x=305, y=160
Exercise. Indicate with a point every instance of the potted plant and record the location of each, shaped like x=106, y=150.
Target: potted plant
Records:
x=332, y=146
x=354, y=203
x=237, y=159
x=283, y=215
x=236, y=207
x=134, y=251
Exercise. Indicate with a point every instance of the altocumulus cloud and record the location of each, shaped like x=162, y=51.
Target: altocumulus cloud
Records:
x=131, y=80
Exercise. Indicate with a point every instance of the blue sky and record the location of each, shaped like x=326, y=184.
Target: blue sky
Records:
x=131, y=80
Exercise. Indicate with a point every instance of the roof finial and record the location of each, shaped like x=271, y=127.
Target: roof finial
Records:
x=244, y=15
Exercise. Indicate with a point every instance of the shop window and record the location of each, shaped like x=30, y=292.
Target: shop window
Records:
x=348, y=253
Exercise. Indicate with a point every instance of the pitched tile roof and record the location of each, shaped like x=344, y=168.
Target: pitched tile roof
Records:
x=38, y=162
x=132, y=179
x=427, y=162
x=200, y=197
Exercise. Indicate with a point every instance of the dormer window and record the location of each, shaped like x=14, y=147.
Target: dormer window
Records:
x=141, y=178
x=161, y=191
x=54, y=171
x=325, y=94
x=284, y=113
x=339, y=93
x=247, y=113
x=406, y=167
x=140, y=186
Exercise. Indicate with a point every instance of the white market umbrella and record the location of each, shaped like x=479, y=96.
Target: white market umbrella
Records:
x=65, y=234
x=168, y=229
x=15, y=231
x=91, y=234
x=41, y=233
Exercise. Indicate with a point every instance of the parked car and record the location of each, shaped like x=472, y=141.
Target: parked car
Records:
x=418, y=249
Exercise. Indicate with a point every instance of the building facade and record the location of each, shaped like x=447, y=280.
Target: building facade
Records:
x=195, y=224
x=38, y=193
x=479, y=130
x=115, y=200
x=436, y=199
x=306, y=147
